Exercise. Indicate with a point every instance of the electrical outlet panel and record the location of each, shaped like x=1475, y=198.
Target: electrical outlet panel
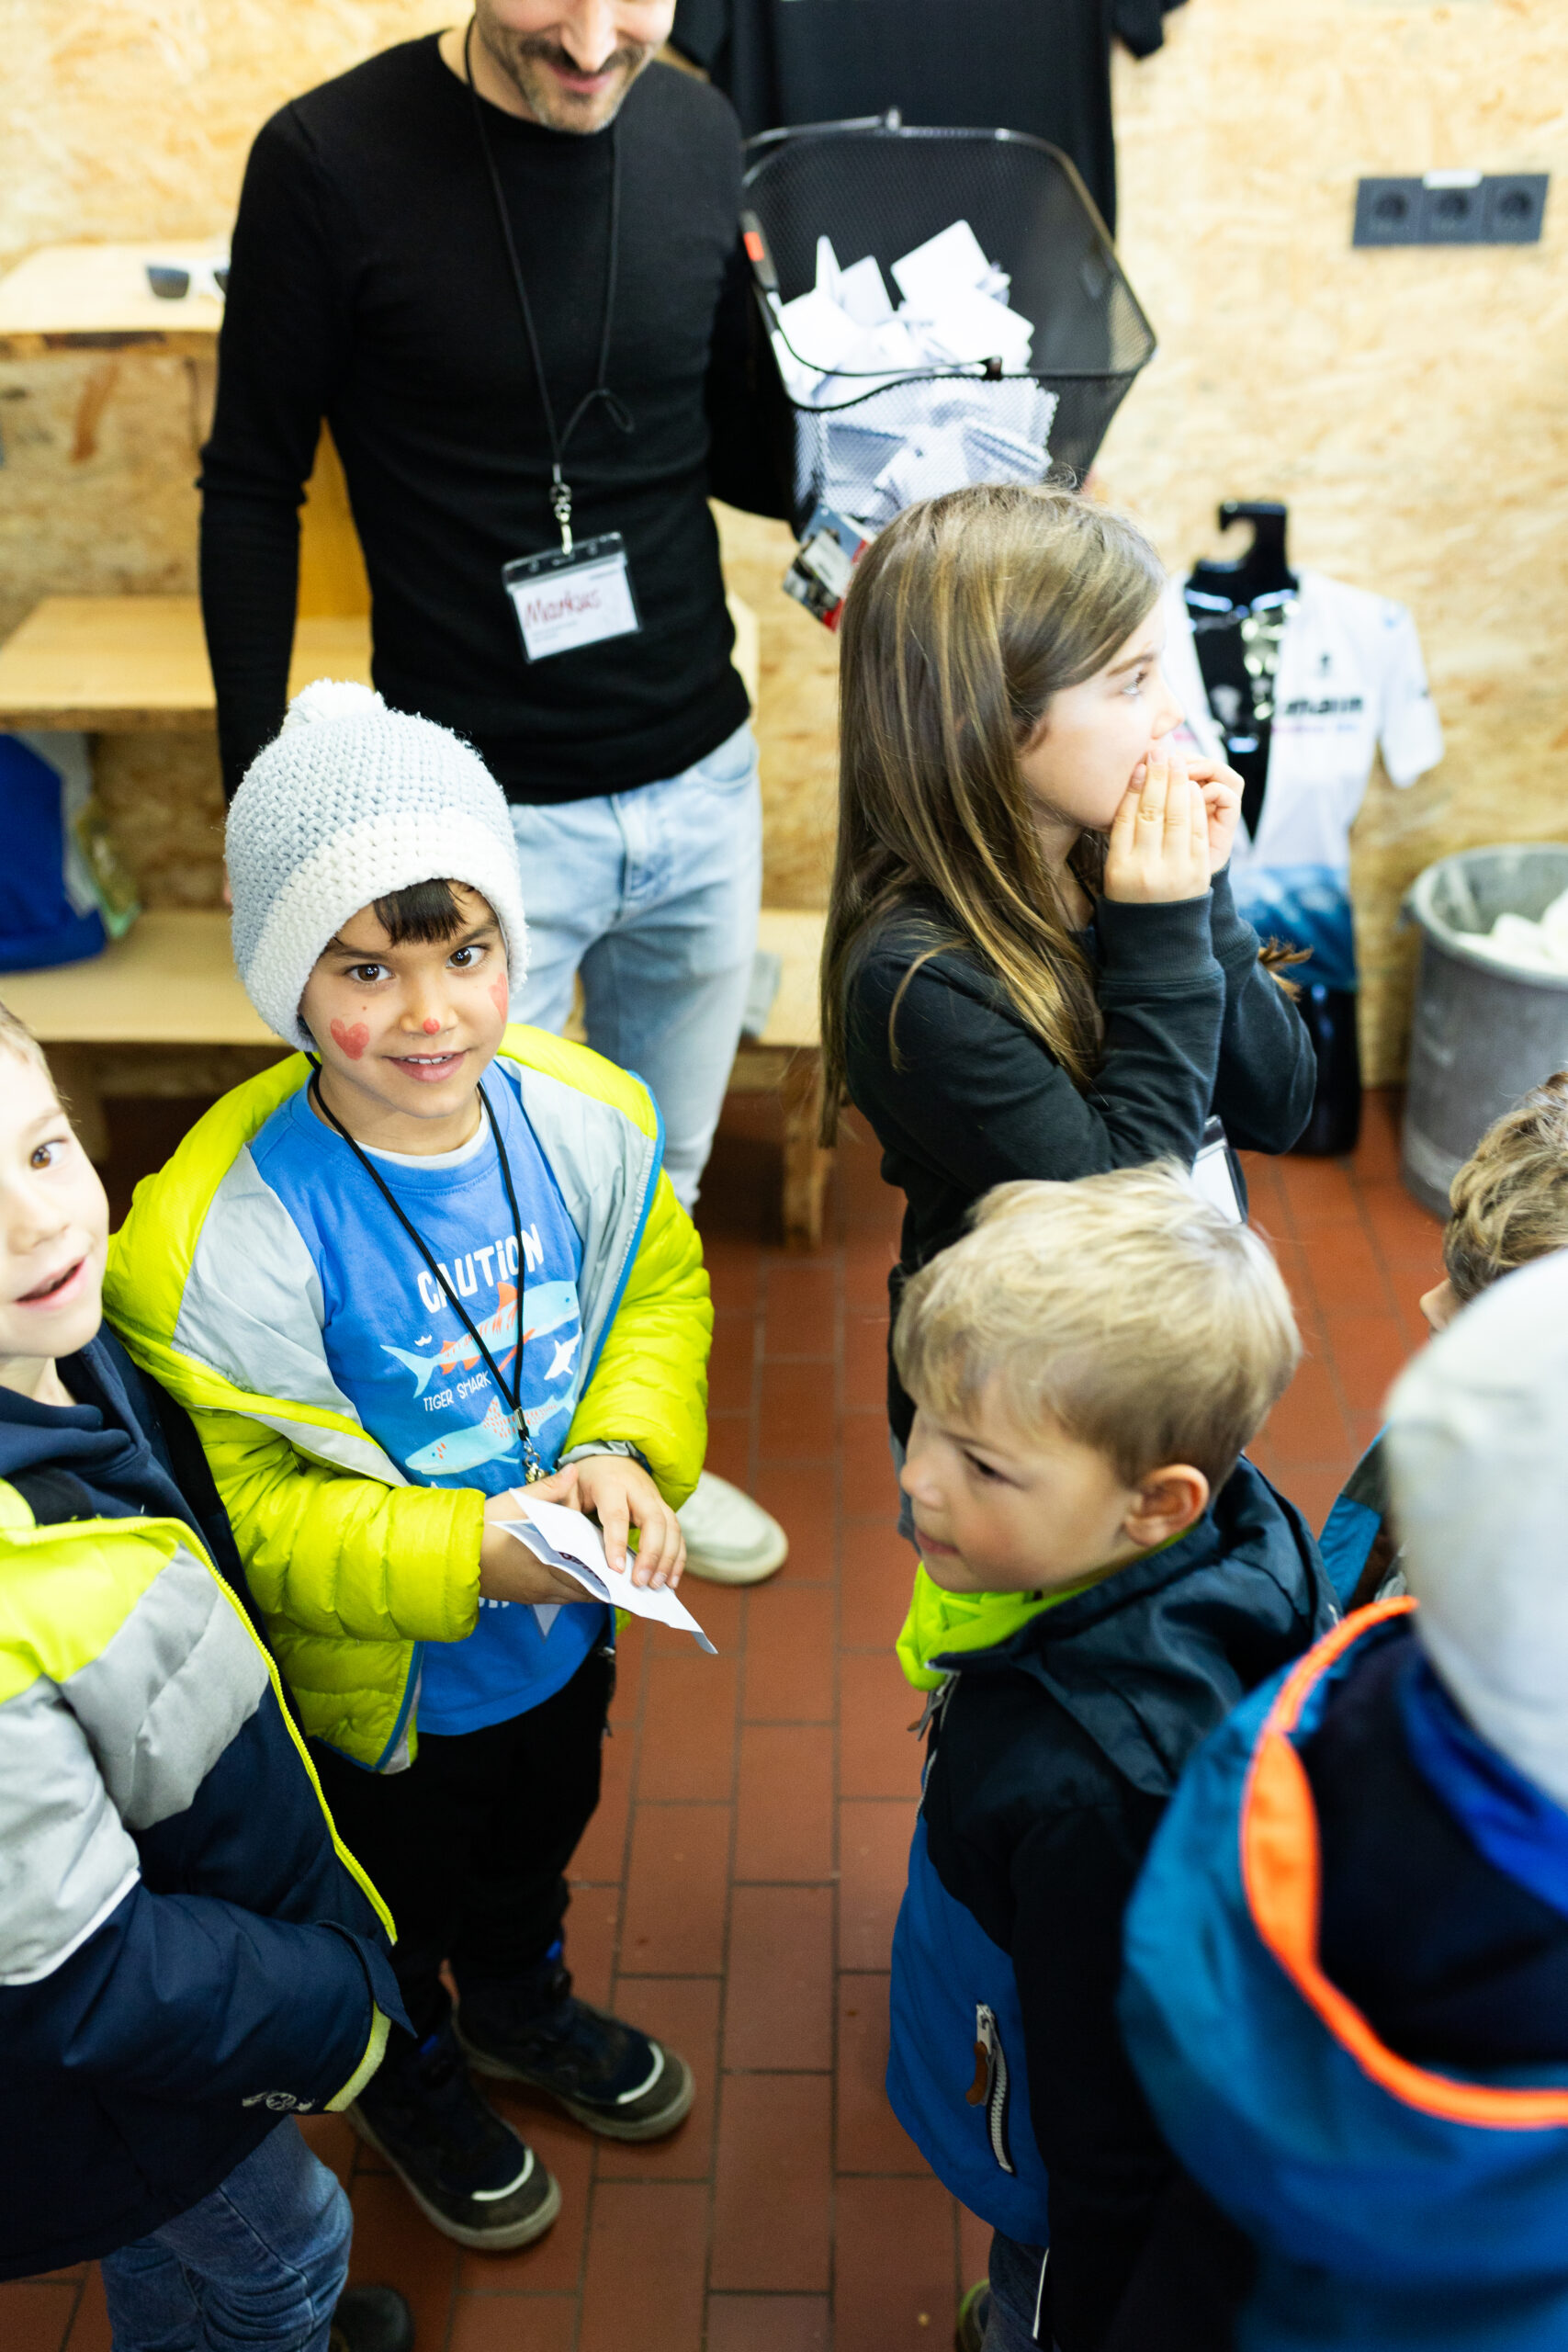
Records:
x=1451, y=208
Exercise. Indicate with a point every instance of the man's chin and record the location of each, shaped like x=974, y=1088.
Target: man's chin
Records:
x=557, y=107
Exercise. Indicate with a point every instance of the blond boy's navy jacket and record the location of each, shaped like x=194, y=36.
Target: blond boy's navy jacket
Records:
x=1053, y=1756
x=186, y=1954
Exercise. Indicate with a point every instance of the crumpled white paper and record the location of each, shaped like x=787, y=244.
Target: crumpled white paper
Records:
x=1528, y=947
x=953, y=313
x=887, y=430
x=568, y=1539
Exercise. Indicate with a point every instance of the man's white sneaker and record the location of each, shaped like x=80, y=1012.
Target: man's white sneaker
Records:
x=731, y=1539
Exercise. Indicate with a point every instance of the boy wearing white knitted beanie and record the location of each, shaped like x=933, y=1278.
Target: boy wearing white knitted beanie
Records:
x=427, y=1261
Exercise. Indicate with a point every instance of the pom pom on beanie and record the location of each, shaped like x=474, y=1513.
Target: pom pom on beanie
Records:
x=350, y=802
x=332, y=699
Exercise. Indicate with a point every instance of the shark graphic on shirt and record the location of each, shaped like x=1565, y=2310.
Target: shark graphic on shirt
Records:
x=546, y=1306
x=486, y=1440
x=464, y=1448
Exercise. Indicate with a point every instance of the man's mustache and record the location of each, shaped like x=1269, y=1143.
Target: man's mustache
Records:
x=550, y=53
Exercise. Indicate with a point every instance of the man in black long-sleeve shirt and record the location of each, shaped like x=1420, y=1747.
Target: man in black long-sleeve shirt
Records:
x=371, y=286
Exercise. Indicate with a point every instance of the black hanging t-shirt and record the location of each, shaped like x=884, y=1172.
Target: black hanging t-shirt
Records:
x=1041, y=66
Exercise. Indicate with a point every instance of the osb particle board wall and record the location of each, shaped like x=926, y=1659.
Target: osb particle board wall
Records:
x=1408, y=405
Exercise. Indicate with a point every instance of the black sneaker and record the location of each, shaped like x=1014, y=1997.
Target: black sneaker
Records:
x=371, y=2319
x=532, y=2029
x=464, y=2168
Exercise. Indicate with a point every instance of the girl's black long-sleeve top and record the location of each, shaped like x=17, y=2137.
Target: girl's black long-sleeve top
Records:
x=1194, y=1026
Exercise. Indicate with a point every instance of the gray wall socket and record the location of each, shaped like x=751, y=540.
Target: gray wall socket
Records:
x=1451, y=208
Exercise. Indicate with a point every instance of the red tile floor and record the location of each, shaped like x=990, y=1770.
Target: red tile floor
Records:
x=736, y=1892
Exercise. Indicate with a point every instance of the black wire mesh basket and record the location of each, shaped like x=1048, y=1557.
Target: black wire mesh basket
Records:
x=876, y=187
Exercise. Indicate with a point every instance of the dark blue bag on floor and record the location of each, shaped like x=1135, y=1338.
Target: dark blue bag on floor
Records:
x=62, y=892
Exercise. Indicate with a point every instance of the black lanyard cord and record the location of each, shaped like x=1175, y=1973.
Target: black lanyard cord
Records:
x=513, y=1400
x=560, y=490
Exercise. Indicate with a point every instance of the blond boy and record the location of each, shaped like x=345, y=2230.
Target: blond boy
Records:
x=1104, y=1577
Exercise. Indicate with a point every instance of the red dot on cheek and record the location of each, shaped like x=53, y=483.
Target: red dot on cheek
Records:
x=353, y=1036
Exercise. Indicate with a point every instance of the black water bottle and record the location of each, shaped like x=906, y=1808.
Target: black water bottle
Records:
x=1335, y=1121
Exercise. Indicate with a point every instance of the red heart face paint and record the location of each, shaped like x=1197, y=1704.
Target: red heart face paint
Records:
x=352, y=1036
x=501, y=995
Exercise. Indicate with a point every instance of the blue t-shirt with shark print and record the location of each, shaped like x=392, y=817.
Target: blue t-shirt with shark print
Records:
x=397, y=1348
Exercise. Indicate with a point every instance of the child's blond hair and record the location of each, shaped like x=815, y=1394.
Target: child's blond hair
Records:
x=16, y=1038
x=1509, y=1202
x=1122, y=1306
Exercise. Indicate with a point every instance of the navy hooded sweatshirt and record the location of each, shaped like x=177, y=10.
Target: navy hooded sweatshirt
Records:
x=147, y=2051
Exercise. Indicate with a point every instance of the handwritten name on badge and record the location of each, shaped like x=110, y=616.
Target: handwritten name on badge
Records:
x=539, y=612
x=561, y=606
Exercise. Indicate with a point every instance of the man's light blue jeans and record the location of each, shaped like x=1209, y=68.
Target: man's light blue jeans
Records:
x=260, y=2262
x=652, y=895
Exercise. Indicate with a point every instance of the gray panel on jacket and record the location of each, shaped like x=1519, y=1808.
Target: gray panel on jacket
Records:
x=65, y=1859
x=164, y=1697
x=253, y=1306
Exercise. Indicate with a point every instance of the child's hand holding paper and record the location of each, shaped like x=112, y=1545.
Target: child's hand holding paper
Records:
x=620, y=1495
x=569, y=1544
x=508, y=1574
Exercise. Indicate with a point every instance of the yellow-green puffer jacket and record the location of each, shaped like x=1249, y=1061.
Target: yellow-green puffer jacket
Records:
x=212, y=1290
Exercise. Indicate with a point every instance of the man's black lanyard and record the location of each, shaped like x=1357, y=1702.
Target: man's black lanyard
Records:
x=512, y=1401
x=560, y=490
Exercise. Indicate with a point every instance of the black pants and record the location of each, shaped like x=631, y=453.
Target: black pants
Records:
x=468, y=1848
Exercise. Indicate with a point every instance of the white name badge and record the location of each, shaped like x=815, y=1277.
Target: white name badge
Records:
x=564, y=601
x=1211, y=1176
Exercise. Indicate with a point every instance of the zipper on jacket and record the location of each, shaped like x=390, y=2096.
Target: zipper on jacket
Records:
x=991, y=2084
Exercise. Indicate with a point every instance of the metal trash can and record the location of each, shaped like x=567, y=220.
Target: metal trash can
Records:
x=881, y=187
x=1483, y=1034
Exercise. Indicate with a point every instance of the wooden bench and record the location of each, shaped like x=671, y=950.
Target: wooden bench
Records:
x=127, y=664
x=170, y=981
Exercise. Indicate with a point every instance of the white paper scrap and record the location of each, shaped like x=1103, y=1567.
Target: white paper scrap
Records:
x=568, y=1539
x=820, y=334
x=966, y=326
x=952, y=261
x=827, y=272
x=864, y=294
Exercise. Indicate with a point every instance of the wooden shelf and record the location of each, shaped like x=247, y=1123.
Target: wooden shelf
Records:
x=119, y=665
x=125, y=665
x=96, y=298
x=170, y=981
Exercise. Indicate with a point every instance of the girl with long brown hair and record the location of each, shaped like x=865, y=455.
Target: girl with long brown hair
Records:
x=1033, y=966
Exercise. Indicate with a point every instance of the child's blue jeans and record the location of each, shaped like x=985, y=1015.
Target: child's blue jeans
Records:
x=259, y=2261
x=1018, y=2281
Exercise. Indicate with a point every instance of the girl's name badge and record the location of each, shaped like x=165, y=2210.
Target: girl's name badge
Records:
x=566, y=600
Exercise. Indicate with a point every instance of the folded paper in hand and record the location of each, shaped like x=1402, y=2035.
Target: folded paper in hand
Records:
x=568, y=1541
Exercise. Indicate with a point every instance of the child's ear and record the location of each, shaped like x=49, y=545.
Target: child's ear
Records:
x=1169, y=1501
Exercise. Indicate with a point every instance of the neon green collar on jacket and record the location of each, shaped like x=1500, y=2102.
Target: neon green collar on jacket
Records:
x=940, y=1623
